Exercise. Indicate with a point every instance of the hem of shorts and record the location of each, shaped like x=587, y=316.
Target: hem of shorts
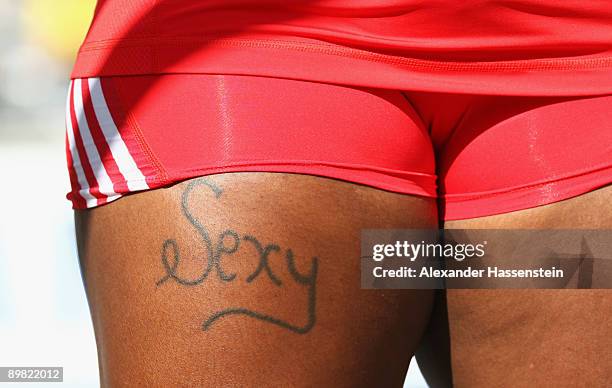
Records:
x=581, y=75
x=365, y=177
x=474, y=205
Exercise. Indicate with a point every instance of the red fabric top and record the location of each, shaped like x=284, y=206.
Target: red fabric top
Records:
x=522, y=47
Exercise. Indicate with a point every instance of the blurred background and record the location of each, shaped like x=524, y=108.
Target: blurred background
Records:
x=44, y=319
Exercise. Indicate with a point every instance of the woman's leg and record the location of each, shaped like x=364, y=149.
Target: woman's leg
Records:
x=248, y=279
x=535, y=338
x=530, y=160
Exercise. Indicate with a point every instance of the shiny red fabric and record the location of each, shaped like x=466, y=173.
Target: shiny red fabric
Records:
x=488, y=105
x=504, y=47
x=479, y=155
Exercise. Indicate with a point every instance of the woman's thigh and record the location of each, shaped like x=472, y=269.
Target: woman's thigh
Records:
x=248, y=279
x=526, y=338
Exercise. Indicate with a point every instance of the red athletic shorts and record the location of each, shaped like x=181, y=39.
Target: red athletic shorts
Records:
x=478, y=154
x=488, y=105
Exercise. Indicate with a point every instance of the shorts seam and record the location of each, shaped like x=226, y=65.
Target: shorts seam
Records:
x=161, y=175
x=416, y=188
x=380, y=170
x=538, y=64
x=472, y=197
x=426, y=183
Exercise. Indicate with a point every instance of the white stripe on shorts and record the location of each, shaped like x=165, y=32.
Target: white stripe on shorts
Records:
x=105, y=184
x=76, y=160
x=135, y=179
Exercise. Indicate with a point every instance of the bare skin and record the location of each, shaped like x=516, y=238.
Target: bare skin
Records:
x=248, y=279
x=535, y=338
x=155, y=328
